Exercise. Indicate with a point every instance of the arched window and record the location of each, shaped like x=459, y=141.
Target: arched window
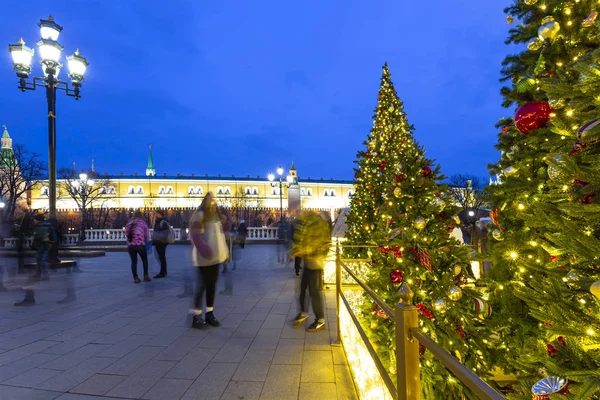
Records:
x=350, y=193
x=326, y=192
x=247, y=190
x=169, y=189
x=44, y=191
x=332, y=192
x=161, y=190
x=227, y=191
x=302, y=192
x=139, y=190
x=131, y=190
x=112, y=190
x=219, y=190
x=254, y=190
x=198, y=189
x=276, y=191
x=309, y=192
x=103, y=190
x=191, y=190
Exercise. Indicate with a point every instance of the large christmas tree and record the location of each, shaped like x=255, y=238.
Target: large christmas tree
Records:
x=400, y=207
x=531, y=219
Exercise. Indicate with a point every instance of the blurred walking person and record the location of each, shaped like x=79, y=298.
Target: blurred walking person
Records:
x=138, y=238
x=44, y=237
x=242, y=232
x=160, y=240
x=208, y=252
x=294, y=231
x=312, y=245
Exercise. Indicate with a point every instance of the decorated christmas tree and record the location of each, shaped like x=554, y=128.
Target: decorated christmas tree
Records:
x=400, y=207
x=532, y=224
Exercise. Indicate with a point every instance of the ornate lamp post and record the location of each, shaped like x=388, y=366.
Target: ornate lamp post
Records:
x=50, y=52
x=289, y=179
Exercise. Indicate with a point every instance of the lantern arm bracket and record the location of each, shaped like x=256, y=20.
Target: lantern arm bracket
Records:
x=36, y=82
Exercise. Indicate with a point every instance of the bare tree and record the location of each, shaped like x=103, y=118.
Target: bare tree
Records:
x=469, y=193
x=19, y=171
x=88, y=191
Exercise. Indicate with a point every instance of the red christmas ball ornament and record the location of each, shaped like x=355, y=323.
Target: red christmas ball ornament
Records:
x=580, y=182
x=382, y=165
x=399, y=178
x=426, y=171
x=396, y=277
x=561, y=340
x=551, y=349
x=532, y=116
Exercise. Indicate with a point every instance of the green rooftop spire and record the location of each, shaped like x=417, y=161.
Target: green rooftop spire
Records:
x=150, y=171
x=7, y=157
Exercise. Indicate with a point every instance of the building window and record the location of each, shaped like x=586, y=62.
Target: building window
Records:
x=332, y=192
x=198, y=189
x=131, y=190
x=227, y=191
x=191, y=190
x=112, y=190
x=254, y=190
x=45, y=191
x=169, y=189
x=219, y=190
x=326, y=193
x=302, y=192
x=139, y=190
x=161, y=190
x=247, y=191
x=350, y=193
x=103, y=190
x=309, y=192
x=276, y=191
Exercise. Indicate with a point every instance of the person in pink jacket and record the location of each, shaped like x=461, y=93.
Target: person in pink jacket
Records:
x=137, y=235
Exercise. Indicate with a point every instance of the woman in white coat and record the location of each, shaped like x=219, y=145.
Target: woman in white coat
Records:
x=208, y=252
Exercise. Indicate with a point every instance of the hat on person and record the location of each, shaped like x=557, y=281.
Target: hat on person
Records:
x=243, y=221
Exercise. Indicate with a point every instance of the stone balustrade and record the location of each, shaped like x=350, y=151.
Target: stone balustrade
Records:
x=118, y=235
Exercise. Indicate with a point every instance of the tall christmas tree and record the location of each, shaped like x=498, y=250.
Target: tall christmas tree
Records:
x=567, y=214
x=527, y=212
x=400, y=207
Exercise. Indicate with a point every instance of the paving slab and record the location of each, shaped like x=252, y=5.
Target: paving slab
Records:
x=122, y=340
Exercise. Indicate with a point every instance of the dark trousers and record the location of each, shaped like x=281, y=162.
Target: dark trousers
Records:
x=161, y=250
x=242, y=243
x=311, y=280
x=207, y=280
x=297, y=264
x=133, y=253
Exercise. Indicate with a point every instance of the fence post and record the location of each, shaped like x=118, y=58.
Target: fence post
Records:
x=407, y=348
x=338, y=287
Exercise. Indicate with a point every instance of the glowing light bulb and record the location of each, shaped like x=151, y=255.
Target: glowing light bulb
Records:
x=569, y=113
x=591, y=332
x=533, y=243
x=514, y=255
x=521, y=206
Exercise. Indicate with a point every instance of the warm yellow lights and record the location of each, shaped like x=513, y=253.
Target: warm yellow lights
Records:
x=533, y=243
x=582, y=301
x=590, y=332
x=568, y=11
x=522, y=270
x=367, y=379
x=543, y=6
x=565, y=188
x=569, y=113
x=569, y=23
x=559, y=64
x=521, y=206
x=513, y=255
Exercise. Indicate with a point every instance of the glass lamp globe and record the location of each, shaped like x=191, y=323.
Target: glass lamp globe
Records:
x=83, y=177
x=49, y=50
x=279, y=171
x=49, y=29
x=77, y=66
x=21, y=56
x=90, y=182
x=271, y=177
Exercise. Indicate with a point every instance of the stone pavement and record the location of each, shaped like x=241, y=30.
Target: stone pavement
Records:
x=120, y=340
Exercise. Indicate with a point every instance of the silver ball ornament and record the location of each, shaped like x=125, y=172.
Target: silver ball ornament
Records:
x=419, y=223
x=534, y=44
x=440, y=305
x=549, y=29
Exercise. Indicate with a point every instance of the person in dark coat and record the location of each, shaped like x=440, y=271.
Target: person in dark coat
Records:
x=160, y=241
x=242, y=232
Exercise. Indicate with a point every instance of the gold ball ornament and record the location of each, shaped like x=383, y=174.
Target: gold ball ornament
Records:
x=419, y=223
x=509, y=19
x=457, y=270
x=560, y=103
x=509, y=171
x=534, y=44
x=440, y=305
x=497, y=234
x=530, y=2
x=595, y=289
x=455, y=293
x=549, y=29
x=456, y=219
x=398, y=192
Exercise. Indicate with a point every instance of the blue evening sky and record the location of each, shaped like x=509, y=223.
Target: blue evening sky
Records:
x=238, y=87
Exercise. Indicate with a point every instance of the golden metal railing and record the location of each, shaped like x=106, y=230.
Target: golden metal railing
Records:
x=406, y=318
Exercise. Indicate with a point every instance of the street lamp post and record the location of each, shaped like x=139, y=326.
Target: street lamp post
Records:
x=50, y=52
x=280, y=184
x=82, y=188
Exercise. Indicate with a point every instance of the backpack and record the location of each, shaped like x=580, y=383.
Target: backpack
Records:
x=43, y=233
